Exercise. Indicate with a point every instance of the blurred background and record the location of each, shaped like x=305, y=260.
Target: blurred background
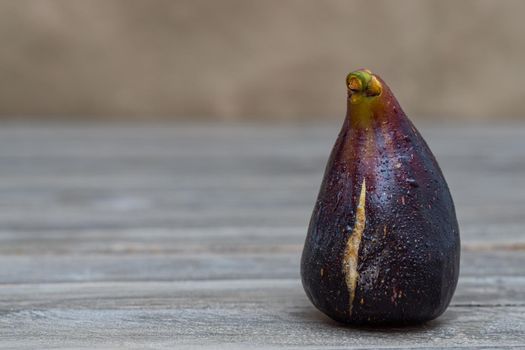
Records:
x=271, y=60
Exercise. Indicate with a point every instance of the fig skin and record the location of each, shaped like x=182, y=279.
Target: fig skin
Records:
x=383, y=242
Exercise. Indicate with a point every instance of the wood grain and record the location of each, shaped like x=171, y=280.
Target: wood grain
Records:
x=186, y=236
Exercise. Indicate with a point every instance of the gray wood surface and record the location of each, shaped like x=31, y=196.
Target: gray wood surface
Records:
x=189, y=236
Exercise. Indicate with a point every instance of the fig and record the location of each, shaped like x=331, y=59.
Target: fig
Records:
x=383, y=242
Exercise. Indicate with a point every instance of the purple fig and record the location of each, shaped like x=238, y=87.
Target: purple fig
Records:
x=383, y=242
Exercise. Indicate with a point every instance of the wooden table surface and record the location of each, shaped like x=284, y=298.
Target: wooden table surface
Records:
x=190, y=237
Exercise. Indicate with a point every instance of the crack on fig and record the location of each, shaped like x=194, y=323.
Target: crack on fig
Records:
x=351, y=254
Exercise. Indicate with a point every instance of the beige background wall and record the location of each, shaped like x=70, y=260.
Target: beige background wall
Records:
x=270, y=60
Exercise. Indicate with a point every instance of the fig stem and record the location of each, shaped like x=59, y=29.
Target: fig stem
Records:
x=362, y=82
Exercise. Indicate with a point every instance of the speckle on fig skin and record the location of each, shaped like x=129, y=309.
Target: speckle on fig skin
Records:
x=409, y=250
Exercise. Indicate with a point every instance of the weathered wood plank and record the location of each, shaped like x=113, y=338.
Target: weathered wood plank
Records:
x=178, y=265
x=257, y=313
x=21, y=139
x=478, y=291
x=103, y=238
x=502, y=231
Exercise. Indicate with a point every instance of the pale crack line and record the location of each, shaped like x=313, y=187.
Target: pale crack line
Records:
x=352, y=247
